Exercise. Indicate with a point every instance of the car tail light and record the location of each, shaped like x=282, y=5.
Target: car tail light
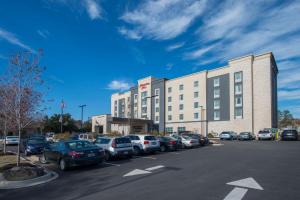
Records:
x=191, y=142
x=172, y=142
x=146, y=142
x=113, y=144
x=75, y=154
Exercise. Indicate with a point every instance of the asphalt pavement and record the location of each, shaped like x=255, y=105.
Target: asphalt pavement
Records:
x=252, y=169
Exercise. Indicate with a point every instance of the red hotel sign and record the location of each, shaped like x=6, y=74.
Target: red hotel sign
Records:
x=144, y=85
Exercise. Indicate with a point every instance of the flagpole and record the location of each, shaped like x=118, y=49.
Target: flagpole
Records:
x=61, y=116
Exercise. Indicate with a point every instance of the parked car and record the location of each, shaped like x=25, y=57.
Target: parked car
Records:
x=202, y=140
x=115, y=147
x=266, y=135
x=189, y=142
x=72, y=153
x=177, y=138
x=246, y=136
x=12, y=140
x=144, y=144
x=289, y=134
x=228, y=135
x=34, y=146
x=86, y=137
x=50, y=137
x=167, y=143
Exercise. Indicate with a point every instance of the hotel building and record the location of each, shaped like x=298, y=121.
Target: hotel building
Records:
x=241, y=96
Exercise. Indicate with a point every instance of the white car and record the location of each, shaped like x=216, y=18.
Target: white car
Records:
x=12, y=140
x=86, y=137
x=266, y=135
x=188, y=142
x=50, y=137
x=144, y=144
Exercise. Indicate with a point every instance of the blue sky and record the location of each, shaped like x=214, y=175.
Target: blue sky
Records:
x=93, y=48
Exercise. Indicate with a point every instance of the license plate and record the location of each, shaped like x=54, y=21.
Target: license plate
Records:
x=125, y=152
x=153, y=143
x=91, y=155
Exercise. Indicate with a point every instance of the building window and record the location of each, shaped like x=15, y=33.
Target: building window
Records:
x=135, y=104
x=169, y=129
x=156, y=92
x=216, y=93
x=128, y=99
x=196, y=94
x=169, y=89
x=180, y=106
x=144, y=94
x=169, y=117
x=144, y=110
x=169, y=99
x=238, y=77
x=181, y=129
x=196, y=83
x=196, y=115
x=216, y=104
x=216, y=82
x=196, y=104
x=157, y=109
x=144, y=102
x=169, y=108
x=238, y=101
x=238, y=89
x=157, y=118
x=216, y=115
x=181, y=117
x=181, y=97
x=181, y=87
x=238, y=113
x=135, y=96
x=157, y=101
x=116, y=103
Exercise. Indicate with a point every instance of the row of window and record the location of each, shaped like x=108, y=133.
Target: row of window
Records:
x=181, y=116
x=179, y=129
x=181, y=86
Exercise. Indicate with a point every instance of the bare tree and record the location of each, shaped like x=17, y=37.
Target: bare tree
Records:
x=24, y=78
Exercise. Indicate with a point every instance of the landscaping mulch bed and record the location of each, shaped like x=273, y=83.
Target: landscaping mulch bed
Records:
x=23, y=172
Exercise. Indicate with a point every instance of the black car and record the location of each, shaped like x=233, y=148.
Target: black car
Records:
x=167, y=144
x=72, y=153
x=34, y=145
x=289, y=135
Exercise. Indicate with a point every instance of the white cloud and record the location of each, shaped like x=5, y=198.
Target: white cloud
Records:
x=289, y=95
x=118, y=85
x=200, y=52
x=175, y=46
x=56, y=79
x=93, y=9
x=12, y=39
x=169, y=66
x=129, y=33
x=43, y=33
x=163, y=19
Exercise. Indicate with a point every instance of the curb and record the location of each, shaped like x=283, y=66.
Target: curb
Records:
x=49, y=176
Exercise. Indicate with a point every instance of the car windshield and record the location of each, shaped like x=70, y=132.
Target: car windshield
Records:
x=244, y=133
x=102, y=140
x=12, y=137
x=79, y=145
x=150, y=138
x=134, y=137
x=289, y=131
x=225, y=133
x=35, y=141
x=122, y=140
x=264, y=131
x=186, y=137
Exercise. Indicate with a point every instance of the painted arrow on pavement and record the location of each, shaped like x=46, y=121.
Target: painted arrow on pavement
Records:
x=140, y=171
x=241, y=188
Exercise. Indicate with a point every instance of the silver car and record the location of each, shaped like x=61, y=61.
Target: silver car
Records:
x=188, y=142
x=266, y=135
x=115, y=147
x=12, y=140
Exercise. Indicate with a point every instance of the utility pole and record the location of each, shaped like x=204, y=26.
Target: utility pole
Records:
x=82, y=107
x=62, y=106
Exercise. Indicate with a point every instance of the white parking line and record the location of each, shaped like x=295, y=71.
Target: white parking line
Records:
x=112, y=164
x=148, y=157
x=175, y=153
x=154, y=168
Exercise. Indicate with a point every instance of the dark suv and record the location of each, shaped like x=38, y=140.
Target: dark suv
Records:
x=289, y=135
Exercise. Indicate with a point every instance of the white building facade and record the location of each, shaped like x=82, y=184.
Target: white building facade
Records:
x=241, y=96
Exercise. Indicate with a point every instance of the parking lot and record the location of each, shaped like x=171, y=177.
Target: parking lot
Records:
x=200, y=173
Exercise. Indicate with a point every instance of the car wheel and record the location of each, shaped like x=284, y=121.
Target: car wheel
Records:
x=62, y=165
x=162, y=148
x=136, y=151
x=43, y=159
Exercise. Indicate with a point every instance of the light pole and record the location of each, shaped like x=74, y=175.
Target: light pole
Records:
x=62, y=106
x=206, y=122
x=82, y=107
